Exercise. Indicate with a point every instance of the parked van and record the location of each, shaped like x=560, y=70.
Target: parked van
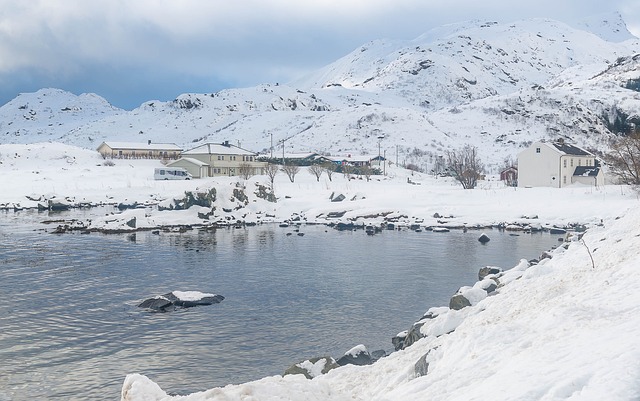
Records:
x=171, y=173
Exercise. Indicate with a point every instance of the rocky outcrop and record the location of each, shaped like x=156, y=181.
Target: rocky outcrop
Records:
x=191, y=198
x=313, y=367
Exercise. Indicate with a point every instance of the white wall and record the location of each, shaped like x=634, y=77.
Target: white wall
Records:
x=540, y=169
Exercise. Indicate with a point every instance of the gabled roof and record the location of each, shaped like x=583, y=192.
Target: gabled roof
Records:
x=218, y=149
x=354, y=158
x=586, y=171
x=567, y=149
x=142, y=146
x=191, y=160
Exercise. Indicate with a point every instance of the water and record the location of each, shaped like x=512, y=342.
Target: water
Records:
x=70, y=328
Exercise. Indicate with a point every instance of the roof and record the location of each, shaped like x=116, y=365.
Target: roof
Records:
x=189, y=160
x=307, y=155
x=586, y=171
x=567, y=149
x=142, y=146
x=351, y=158
x=218, y=149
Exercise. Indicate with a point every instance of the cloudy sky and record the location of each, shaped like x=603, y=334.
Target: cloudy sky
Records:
x=131, y=51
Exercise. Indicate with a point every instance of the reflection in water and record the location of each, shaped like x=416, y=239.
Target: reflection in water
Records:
x=72, y=330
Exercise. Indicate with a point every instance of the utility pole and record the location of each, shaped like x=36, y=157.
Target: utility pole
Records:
x=271, y=146
x=379, y=154
x=385, y=163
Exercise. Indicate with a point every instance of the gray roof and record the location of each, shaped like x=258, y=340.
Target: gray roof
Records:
x=570, y=149
x=586, y=171
x=218, y=149
x=142, y=146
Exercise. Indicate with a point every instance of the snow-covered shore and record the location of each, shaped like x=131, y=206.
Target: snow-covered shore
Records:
x=562, y=329
x=33, y=174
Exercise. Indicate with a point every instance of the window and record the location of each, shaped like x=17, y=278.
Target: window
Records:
x=537, y=150
x=571, y=162
x=564, y=179
x=564, y=163
x=579, y=162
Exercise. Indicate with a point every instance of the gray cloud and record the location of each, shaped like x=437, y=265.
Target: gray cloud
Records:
x=132, y=51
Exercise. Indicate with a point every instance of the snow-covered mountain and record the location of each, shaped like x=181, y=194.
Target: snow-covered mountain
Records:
x=496, y=86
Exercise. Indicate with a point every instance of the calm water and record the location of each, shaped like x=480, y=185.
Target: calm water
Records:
x=70, y=328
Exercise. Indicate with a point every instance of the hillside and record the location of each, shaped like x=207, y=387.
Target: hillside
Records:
x=496, y=86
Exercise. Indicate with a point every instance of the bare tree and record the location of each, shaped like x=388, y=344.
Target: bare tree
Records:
x=347, y=171
x=624, y=159
x=329, y=168
x=316, y=170
x=367, y=171
x=245, y=170
x=465, y=166
x=271, y=170
x=291, y=170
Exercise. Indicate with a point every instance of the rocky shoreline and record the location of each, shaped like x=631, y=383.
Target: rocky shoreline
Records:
x=436, y=322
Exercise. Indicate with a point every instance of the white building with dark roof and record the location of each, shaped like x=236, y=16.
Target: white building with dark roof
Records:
x=557, y=164
x=225, y=159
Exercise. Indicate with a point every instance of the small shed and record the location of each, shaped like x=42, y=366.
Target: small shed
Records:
x=509, y=176
x=197, y=168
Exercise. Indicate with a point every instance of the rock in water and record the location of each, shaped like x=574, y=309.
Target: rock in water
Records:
x=182, y=299
x=484, y=238
x=157, y=303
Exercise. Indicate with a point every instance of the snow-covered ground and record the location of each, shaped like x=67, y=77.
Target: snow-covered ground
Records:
x=562, y=329
x=32, y=174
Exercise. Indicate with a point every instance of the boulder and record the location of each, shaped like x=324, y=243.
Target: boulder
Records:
x=485, y=271
x=414, y=334
x=338, y=198
x=58, y=204
x=398, y=340
x=124, y=206
x=358, y=355
x=421, y=368
x=132, y=222
x=180, y=299
x=313, y=367
x=458, y=302
x=484, y=238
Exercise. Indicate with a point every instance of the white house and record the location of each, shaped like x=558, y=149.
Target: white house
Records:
x=557, y=164
x=225, y=159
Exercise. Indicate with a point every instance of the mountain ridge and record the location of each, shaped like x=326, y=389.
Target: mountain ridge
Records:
x=492, y=85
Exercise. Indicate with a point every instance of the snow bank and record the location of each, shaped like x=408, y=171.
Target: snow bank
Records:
x=562, y=329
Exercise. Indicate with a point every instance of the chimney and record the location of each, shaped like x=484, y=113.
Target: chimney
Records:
x=225, y=143
x=149, y=142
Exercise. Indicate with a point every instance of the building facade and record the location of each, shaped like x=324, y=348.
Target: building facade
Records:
x=557, y=164
x=224, y=159
x=135, y=150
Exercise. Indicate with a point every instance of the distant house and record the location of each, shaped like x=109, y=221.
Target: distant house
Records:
x=197, y=168
x=135, y=150
x=224, y=159
x=358, y=161
x=300, y=159
x=509, y=176
x=557, y=164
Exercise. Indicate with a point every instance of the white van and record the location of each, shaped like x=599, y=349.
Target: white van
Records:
x=172, y=173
